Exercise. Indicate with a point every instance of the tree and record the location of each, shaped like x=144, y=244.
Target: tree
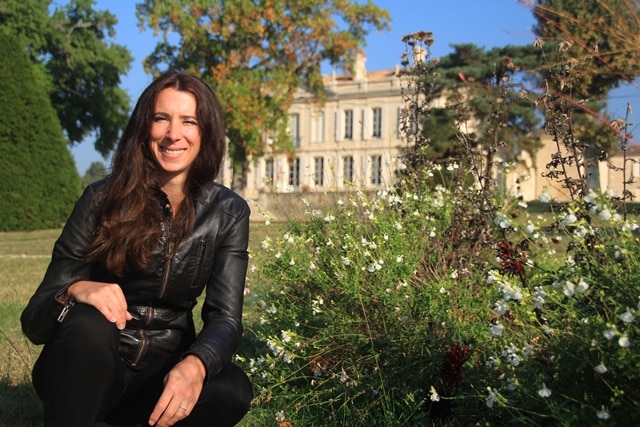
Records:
x=602, y=36
x=597, y=47
x=485, y=114
x=491, y=82
x=256, y=54
x=40, y=183
x=81, y=67
x=96, y=172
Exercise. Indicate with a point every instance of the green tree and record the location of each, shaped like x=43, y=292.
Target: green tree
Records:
x=485, y=111
x=40, y=183
x=595, y=47
x=82, y=68
x=601, y=36
x=96, y=172
x=491, y=82
x=256, y=54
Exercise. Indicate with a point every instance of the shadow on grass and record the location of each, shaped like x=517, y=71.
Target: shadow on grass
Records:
x=19, y=405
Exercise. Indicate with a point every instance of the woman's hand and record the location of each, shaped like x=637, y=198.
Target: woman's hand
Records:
x=108, y=298
x=182, y=387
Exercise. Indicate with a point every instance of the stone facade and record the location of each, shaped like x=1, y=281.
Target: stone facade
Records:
x=353, y=142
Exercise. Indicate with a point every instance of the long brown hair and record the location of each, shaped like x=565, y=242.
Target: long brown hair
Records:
x=129, y=206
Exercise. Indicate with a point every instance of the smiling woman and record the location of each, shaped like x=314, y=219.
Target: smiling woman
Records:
x=114, y=309
x=174, y=140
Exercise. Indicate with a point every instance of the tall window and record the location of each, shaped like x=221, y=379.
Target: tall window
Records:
x=348, y=124
x=294, y=173
x=376, y=170
x=294, y=125
x=347, y=171
x=377, y=123
x=269, y=170
x=318, y=127
x=319, y=171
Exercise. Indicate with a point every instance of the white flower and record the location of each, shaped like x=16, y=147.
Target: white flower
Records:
x=544, y=391
x=601, y=369
x=603, y=414
x=582, y=286
x=399, y=258
x=502, y=221
x=627, y=316
x=435, y=397
x=530, y=228
x=624, y=341
x=609, y=334
x=605, y=214
x=544, y=197
x=496, y=330
x=492, y=397
x=501, y=307
x=569, y=288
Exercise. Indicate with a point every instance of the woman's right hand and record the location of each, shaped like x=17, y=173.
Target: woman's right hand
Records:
x=108, y=298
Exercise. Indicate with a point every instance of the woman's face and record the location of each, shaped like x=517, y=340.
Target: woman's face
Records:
x=175, y=133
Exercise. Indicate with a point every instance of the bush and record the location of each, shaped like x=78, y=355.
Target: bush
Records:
x=39, y=181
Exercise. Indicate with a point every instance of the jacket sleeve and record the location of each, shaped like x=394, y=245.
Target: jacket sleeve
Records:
x=44, y=310
x=222, y=307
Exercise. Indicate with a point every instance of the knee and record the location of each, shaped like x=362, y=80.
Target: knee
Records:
x=229, y=394
x=87, y=328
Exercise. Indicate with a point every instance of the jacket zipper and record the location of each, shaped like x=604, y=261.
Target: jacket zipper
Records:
x=143, y=337
x=168, y=252
x=168, y=256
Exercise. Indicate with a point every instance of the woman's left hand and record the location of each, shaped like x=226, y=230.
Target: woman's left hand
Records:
x=182, y=387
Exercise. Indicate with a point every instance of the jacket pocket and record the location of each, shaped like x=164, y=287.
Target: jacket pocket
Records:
x=199, y=266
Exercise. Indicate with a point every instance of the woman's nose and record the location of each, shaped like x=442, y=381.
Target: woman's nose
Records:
x=173, y=131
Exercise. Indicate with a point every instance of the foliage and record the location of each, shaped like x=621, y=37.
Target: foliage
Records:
x=449, y=304
x=483, y=95
x=96, y=172
x=602, y=35
x=40, y=181
x=82, y=68
x=256, y=54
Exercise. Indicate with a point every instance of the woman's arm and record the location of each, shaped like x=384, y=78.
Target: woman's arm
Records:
x=222, y=307
x=49, y=304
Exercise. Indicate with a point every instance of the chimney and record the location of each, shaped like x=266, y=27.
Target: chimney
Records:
x=360, y=71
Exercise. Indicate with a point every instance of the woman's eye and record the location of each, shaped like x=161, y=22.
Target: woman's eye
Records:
x=159, y=118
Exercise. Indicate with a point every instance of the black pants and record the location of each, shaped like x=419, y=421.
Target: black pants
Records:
x=82, y=380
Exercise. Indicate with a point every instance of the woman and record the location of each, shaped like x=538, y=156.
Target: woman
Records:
x=114, y=309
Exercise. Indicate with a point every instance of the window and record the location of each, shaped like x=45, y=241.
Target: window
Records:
x=319, y=171
x=408, y=125
x=269, y=170
x=347, y=171
x=318, y=127
x=376, y=170
x=294, y=173
x=294, y=126
x=348, y=124
x=377, y=123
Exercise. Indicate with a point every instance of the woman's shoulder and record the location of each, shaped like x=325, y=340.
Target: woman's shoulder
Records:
x=216, y=194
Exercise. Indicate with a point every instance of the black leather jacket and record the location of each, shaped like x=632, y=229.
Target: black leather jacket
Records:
x=161, y=299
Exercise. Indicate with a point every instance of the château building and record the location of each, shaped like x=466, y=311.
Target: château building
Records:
x=353, y=142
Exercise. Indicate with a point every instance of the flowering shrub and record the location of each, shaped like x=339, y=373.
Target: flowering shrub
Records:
x=349, y=330
x=565, y=340
x=361, y=327
x=451, y=305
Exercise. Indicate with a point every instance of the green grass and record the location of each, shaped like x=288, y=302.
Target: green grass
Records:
x=24, y=257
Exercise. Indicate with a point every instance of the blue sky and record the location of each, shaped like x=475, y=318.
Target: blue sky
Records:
x=486, y=23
